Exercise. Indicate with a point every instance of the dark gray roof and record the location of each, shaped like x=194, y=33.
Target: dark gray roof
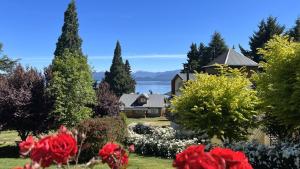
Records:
x=153, y=100
x=232, y=58
x=183, y=76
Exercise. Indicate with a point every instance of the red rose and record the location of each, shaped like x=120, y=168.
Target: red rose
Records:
x=63, y=146
x=27, y=145
x=194, y=157
x=114, y=155
x=41, y=152
x=232, y=159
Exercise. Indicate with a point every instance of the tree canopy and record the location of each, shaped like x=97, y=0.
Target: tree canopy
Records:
x=69, y=39
x=119, y=77
x=266, y=30
x=224, y=106
x=23, y=105
x=6, y=64
x=279, y=83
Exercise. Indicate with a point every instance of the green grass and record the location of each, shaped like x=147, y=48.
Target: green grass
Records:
x=9, y=156
x=135, y=162
x=156, y=121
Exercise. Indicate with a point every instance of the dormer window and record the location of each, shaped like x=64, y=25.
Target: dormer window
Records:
x=143, y=100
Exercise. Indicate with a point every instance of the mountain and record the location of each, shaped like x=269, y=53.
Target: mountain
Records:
x=145, y=76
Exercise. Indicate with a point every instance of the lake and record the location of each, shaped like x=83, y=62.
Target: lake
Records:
x=160, y=87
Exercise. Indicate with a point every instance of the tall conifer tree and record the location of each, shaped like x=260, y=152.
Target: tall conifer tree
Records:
x=118, y=77
x=216, y=46
x=295, y=31
x=69, y=77
x=69, y=39
x=266, y=30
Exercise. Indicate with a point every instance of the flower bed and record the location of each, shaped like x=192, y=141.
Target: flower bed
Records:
x=280, y=156
x=160, y=141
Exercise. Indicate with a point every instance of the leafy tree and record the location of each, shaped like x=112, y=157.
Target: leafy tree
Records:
x=6, y=64
x=224, y=106
x=69, y=39
x=203, y=55
x=118, y=77
x=295, y=31
x=107, y=102
x=279, y=84
x=216, y=46
x=71, y=88
x=23, y=105
x=266, y=30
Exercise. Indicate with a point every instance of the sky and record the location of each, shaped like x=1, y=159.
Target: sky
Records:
x=155, y=35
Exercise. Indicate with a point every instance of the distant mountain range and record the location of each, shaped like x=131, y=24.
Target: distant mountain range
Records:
x=145, y=76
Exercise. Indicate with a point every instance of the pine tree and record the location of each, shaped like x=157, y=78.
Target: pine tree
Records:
x=118, y=77
x=295, y=31
x=203, y=56
x=131, y=82
x=266, y=30
x=192, y=59
x=216, y=46
x=6, y=64
x=69, y=39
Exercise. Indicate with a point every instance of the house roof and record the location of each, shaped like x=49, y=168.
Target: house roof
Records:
x=183, y=76
x=153, y=100
x=232, y=58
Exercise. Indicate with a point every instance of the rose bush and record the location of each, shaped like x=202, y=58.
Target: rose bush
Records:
x=194, y=157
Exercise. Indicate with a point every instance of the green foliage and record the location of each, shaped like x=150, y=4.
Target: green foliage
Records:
x=99, y=131
x=200, y=56
x=266, y=30
x=71, y=88
x=279, y=84
x=224, y=106
x=295, y=31
x=119, y=77
x=6, y=64
x=69, y=39
x=216, y=46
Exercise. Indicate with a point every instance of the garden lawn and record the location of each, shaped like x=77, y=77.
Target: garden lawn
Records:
x=135, y=162
x=154, y=121
x=9, y=156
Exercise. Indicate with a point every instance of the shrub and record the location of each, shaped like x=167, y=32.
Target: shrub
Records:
x=160, y=141
x=220, y=105
x=278, y=85
x=280, y=156
x=97, y=132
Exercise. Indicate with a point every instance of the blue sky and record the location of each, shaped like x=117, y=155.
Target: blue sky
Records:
x=155, y=35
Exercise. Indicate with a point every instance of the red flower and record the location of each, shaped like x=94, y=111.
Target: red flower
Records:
x=62, y=147
x=114, y=155
x=232, y=159
x=41, y=152
x=131, y=148
x=27, y=145
x=194, y=157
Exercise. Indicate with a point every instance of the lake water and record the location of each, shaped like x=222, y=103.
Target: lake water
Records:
x=160, y=87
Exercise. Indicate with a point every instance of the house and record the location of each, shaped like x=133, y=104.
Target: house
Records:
x=178, y=80
x=142, y=105
x=230, y=58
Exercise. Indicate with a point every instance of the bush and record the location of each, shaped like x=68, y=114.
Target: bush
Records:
x=280, y=156
x=97, y=132
x=160, y=141
x=279, y=85
x=220, y=105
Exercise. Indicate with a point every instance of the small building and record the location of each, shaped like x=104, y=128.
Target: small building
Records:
x=143, y=105
x=178, y=80
x=231, y=58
